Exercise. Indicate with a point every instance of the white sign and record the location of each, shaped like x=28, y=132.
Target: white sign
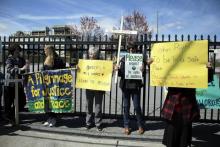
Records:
x=133, y=65
x=124, y=32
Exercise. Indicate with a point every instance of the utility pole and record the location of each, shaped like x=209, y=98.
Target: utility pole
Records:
x=157, y=24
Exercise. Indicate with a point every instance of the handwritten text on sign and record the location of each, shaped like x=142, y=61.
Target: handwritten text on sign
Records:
x=133, y=64
x=180, y=64
x=94, y=74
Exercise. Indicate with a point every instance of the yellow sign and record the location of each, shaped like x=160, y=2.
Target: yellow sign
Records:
x=94, y=74
x=180, y=64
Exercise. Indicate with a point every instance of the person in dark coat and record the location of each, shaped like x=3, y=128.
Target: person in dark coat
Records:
x=180, y=109
x=15, y=67
x=131, y=88
x=52, y=62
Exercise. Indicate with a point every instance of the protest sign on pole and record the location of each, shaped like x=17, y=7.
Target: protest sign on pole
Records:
x=121, y=32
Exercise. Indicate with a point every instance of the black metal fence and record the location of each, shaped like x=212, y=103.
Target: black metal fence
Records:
x=72, y=48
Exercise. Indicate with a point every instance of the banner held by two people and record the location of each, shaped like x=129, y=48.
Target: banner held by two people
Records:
x=49, y=91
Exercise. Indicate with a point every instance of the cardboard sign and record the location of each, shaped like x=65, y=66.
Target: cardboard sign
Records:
x=94, y=74
x=180, y=64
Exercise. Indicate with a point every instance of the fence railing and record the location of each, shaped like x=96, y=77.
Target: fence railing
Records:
x=72, y=48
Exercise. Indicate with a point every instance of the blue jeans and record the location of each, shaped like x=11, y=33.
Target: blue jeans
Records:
x=135, y=95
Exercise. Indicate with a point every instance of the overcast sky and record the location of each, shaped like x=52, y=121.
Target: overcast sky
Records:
x=175, y=16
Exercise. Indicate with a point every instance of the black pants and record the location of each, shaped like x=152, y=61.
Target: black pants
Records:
x=9, y=96
x=49, y=114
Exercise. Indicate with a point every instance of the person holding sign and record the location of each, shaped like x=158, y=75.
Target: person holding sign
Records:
x=180, y=109
x=51, y=62
x=131, y=86
x=91, y=95
x=15, y=67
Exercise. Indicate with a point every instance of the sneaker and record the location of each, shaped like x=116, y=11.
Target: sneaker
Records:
x=99, y=128
x=46, y=123
x=52, y=122
x=127, y=131
x=140, y=130
x=88, y=127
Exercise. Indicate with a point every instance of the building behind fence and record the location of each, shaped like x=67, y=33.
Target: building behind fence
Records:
x=72, y=48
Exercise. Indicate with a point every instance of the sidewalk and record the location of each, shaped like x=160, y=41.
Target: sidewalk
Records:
x=70, y=131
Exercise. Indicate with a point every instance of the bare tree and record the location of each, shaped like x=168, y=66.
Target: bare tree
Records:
x=74, y=30
x=136, y=21
x=90, y=27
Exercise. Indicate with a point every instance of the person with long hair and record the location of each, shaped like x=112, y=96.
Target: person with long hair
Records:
x=51, y=62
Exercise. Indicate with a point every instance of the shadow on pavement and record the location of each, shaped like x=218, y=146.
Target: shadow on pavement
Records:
x=206, y=135
x=6, y=128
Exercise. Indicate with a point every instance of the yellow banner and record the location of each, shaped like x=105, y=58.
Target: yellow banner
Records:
x=180, y=64
x=94, y=74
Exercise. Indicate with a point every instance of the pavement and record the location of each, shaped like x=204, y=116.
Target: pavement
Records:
x=70, y=131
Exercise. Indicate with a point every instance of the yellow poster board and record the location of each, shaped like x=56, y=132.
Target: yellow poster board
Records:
x=94, y=74
x=180, y=64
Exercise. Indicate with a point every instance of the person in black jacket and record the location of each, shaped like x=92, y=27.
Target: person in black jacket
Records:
x=52, y=61
x=15, y=67
x=131, y=88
